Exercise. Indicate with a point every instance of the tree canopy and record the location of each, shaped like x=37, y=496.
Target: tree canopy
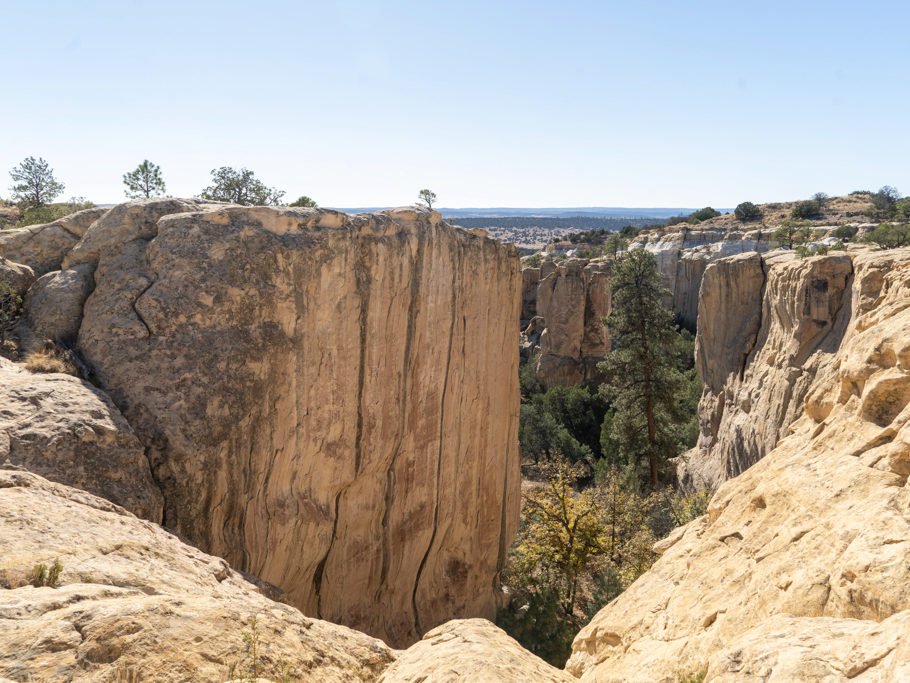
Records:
x=144, y=182
x=644, y=382
x=426, y=198
x=240, y=187
x=305, y=202
x=34, y=184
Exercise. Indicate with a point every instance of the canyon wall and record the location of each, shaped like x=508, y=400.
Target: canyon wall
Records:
x=683, y=254
x=798, y=571
x=573, y=297
x=767, y=326
x=329, y=402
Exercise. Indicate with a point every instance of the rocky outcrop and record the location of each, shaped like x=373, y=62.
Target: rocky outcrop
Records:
x=768, y=325
x=470, y=650
x=43, y=247
x=329, y=402
x=135, y=603
x=573, y=297
x=66, y=430
x=799, y=568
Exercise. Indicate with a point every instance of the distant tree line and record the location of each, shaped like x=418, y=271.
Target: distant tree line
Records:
x=580, y=223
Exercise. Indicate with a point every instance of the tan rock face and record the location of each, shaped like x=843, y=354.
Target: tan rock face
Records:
x=470, y=650
x=799, y=569
x=573, y=297
x=530, y=278
x=18, y=276
x=136, y=603
x=767, y=326
x=328, y=402
x=54, y=303
x=66, y=430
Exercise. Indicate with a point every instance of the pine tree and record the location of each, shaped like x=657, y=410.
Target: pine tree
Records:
x=144, y=182
x=643, y=382
x=34, y=184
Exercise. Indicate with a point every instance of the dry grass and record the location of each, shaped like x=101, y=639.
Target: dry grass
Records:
x=45, y=360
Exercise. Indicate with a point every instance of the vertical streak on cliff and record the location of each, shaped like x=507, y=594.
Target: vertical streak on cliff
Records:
x=362, y=274
x=456, y=266
x=416, y=277
x=761, y=311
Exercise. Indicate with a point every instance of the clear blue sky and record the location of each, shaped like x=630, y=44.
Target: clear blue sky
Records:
x=520, y=103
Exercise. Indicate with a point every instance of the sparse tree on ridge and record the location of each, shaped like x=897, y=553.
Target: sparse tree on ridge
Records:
x=144, y=182
x=426, y=198
x=240, y=187
x=792, y=233
x=304, y=201
x=34, y=184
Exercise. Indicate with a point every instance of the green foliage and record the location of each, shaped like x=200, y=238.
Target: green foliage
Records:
x=426, y=198
x=34, y=184
x=629, y=231
x=542, y=438
x=304, y=201
x=792, y=233
x=889, y=236
x=694, y=676
x=643, y=378
x=144, y=181
x=806, y=209
x=240, y=187
x=845, y=233
x=10, y=309
x=42, y=575
x=53, y=212
x=576, y=550
x=676, y=220
x=747, y=211
x=702, y=215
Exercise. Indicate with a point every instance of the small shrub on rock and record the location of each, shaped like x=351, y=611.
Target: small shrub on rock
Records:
x=747, y=211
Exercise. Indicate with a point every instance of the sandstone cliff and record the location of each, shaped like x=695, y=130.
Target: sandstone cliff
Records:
x=798, y=571
x=573, y=297
x=329, y=402
x=768, y=325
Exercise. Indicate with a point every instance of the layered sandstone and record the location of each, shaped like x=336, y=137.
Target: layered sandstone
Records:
x=573, y=297
x=329, y=402
x=43, y=247
x=799, y=570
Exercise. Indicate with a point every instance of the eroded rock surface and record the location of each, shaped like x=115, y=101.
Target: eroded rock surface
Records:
x=573, y=297
x=66, y=430
x=799, y=569
x=135, y=603
x=470, y=650
x=43, y=247
x=329, y=402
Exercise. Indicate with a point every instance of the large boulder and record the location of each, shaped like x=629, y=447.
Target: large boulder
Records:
x=470, y=650
x=329, y=402
x=135, y=603
x=799, y=570
x=66, y=430
x=53, y=307
x=17, y=275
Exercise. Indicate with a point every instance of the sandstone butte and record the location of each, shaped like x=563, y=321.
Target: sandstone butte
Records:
x=328, y=402
x=799, y=570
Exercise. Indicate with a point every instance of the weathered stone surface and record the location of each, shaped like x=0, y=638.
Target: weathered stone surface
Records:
x=573, y=298
x=40, y=247
x=470, y=650
x=17, y=275
x=66, y=430
x=818, y=528
x=77, y=223
x=136, y=603
x=124, y=223
x=767, y=325
x=53, y=307
x=785, y=648
x=329, y=402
